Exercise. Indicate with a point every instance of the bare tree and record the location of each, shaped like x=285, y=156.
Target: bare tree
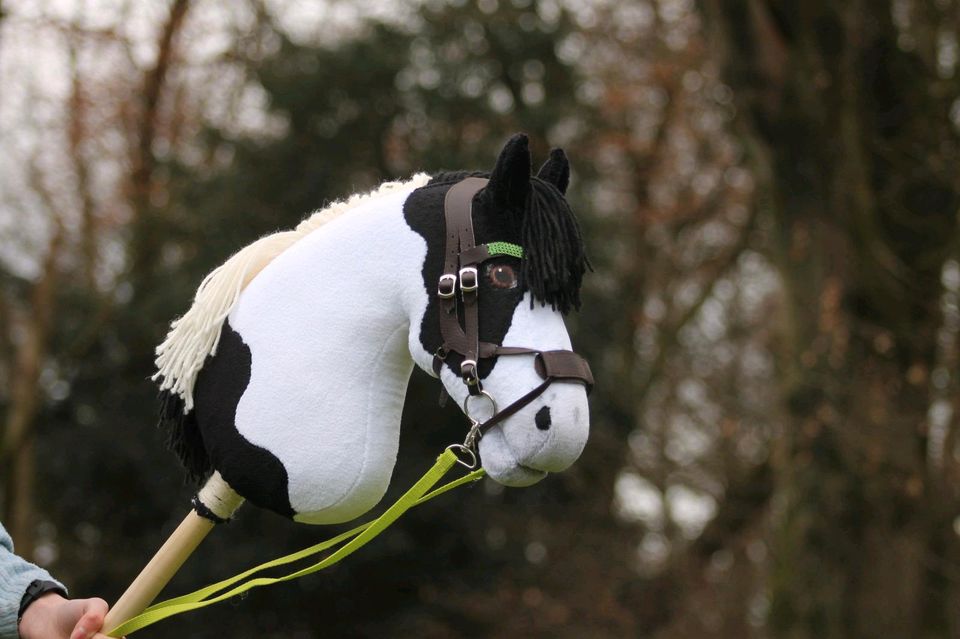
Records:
x=28, y=324
x=28, y=358
x=845, y=115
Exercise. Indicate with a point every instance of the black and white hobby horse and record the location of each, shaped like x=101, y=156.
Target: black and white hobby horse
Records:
x=285, y=380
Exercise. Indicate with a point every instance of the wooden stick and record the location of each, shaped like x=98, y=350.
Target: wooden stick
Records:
x=216, y=496
x=160, y=570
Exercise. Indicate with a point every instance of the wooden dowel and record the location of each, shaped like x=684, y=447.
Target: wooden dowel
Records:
x=160, y=570
x=217, y=496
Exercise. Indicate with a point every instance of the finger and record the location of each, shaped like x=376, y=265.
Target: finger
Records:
x=91, y=618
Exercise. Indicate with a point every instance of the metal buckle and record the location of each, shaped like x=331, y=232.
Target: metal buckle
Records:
x=469, y=279
x=468, y=371
x=449, y=280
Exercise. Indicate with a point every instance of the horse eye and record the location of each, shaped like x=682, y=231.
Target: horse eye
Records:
x=502, y=276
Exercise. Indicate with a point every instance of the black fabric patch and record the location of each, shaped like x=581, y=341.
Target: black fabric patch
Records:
x=423, y=212
x=542, y=418
x=252, y=471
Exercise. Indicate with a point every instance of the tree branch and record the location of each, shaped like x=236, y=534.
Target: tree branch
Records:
x=668, y=339
x=153, y=84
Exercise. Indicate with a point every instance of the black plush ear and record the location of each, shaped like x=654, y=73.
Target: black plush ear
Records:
x=510, y=180
x=556, y=170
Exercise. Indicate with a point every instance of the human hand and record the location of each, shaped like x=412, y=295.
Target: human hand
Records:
x=53, y=617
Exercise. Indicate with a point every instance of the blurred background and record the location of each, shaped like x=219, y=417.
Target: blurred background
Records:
x=770, y=195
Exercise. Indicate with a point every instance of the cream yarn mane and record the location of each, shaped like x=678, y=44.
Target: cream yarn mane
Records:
x=195, y=335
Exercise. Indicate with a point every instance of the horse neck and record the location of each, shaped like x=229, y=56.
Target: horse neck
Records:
x=343, y=294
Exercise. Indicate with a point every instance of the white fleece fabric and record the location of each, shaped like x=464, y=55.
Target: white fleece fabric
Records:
x=327, y=334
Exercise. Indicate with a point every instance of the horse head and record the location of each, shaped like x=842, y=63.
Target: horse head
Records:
x=528, y=272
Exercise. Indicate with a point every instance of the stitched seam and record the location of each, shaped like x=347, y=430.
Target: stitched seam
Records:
x=366, y=433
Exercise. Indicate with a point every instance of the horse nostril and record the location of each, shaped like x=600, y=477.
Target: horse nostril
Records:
x=542, y=420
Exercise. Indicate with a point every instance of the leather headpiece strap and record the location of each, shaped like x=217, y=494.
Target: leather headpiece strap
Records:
x=462, y=256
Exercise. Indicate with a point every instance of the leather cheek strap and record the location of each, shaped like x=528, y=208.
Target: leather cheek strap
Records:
x=458, y=218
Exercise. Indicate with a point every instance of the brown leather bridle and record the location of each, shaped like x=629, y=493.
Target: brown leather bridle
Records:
x=462, y=256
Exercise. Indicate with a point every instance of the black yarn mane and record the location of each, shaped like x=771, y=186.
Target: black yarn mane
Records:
x=183, y=436
x=555, y=258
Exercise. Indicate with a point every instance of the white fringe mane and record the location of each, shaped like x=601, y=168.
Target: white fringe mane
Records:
x=197, y=333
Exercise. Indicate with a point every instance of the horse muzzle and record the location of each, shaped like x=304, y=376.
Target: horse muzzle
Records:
x=546, y=436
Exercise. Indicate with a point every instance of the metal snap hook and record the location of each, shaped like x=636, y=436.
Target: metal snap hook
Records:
x=473, y=435
x=463, y=455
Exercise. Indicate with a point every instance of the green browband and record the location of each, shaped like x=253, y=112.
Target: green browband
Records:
x=505, y=248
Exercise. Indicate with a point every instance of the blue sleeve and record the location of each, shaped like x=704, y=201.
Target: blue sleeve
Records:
x=15, y=575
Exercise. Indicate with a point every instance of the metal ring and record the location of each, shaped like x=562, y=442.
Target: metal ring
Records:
x=460, y=450
x=483, y=393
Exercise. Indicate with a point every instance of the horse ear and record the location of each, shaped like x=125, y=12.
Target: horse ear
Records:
x=510, y=180
x=556, y=170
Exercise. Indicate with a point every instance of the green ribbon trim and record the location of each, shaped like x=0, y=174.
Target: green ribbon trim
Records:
x=505, y=248
x=360, y=535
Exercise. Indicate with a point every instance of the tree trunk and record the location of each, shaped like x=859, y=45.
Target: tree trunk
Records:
x=16, y=459
x=19, y=509
x=145, y=247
